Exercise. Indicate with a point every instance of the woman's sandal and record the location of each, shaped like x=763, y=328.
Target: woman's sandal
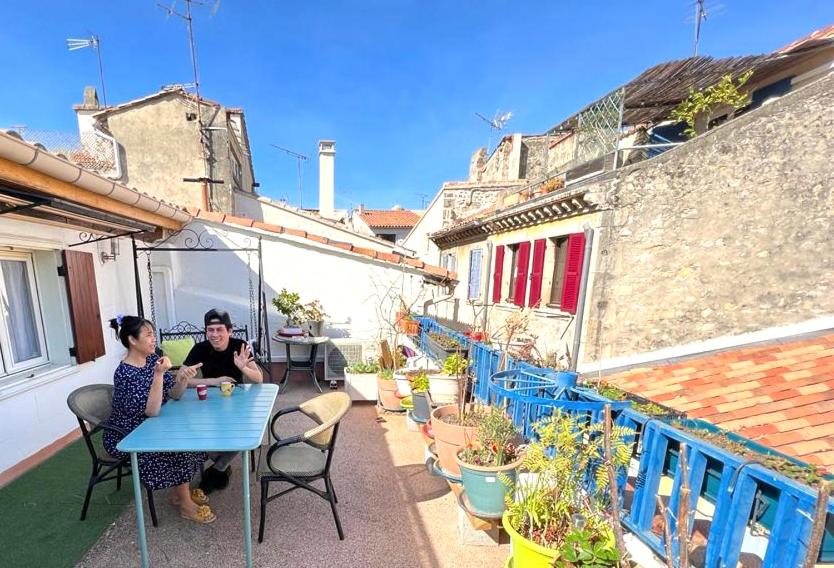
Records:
x=197, y=496
x=203, y=515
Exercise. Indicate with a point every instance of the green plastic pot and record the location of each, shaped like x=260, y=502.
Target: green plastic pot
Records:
x=484, y=489
x=527, y=553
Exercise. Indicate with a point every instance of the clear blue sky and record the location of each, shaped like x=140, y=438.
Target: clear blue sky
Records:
x=395, y=82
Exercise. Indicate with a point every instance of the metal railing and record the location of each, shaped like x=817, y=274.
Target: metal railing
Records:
x=739, y=508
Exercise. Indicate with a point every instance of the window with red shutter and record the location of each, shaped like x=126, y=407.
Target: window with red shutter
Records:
x=497, y=274
x=539, y=248
x=523, y=256
x=573, y=272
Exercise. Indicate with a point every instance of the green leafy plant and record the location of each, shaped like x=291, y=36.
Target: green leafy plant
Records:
x=496, y=442
x=444, y=340
x=455, y=365
x=289, y=304
x=706, y=101
x=363, y=367
x=420, y=383
x=589, y=547
x=386, y=374
x=546, y=508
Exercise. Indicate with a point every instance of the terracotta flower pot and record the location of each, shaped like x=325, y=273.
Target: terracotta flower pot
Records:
x=388, y=394
x=450, y=438
x=409, y=327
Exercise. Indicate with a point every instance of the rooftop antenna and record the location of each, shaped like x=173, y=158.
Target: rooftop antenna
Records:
x=299, y=158
x=74, y=44
x=496, y=124
x=700, y=16
x=205, y=142
x=423, y=199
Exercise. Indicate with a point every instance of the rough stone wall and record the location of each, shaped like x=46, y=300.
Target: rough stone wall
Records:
x=460, y=203
x=727, y=234
x=161, y=147
x=542, y=155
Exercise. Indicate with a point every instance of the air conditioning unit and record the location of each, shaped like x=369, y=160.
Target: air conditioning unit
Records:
x=341, y=353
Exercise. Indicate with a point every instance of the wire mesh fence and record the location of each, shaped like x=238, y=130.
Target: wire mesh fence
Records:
x=89, y=150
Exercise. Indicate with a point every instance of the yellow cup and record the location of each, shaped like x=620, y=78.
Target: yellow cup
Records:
x=226, y=388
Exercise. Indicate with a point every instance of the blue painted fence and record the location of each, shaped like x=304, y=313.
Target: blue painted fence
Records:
x=744, y=494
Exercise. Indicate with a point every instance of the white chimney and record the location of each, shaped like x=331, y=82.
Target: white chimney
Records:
x=327, y=155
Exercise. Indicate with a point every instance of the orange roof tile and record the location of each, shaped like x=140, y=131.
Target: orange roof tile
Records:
x=392, y=258
x=780, y=395
x=389, y=219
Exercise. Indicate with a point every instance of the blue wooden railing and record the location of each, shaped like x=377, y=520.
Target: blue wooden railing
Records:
x=744, y=493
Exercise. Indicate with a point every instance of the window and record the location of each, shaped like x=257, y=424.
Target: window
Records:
x=449, y=261
x=474, y=274
x=559, y=246
x=390, y=237
x=22, y=343
x=513, y=268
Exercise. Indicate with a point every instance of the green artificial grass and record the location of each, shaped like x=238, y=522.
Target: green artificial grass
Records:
x=40, y=511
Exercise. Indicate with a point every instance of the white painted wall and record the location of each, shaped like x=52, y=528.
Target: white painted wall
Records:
x=34, y=412
x=418, y=238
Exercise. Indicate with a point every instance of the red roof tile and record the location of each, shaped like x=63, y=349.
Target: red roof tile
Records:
x=814, y=38
x=779, y=395
x=389, y=219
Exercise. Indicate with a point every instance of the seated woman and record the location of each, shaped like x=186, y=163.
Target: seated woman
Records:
x=143, y=384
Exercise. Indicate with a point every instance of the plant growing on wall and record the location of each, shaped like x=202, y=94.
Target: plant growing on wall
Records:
x=701, y=104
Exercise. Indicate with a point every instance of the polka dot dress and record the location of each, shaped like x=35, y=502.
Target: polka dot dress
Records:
x=133, y=386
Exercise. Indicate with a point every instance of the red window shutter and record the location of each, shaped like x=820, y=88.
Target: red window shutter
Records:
x=498, y=274
x=573, y=272
x=521, y=273
x=85, y=315
x=539, y=248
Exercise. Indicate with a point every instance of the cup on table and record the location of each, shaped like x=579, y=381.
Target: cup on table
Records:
x=226, y=388
x=202, y=392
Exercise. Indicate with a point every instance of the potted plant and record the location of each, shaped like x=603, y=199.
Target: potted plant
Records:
x=495, y=452
x=421, y=403
x=289, y=304
x=387, y=388
x=444, y=386
x=360, y=380
x=408, y=325
x=315, y=315
x=441, y=345
x=404, y=378
x=455, y=425
x=551, y=517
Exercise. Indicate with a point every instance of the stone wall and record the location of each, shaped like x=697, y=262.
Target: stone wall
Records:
x=729, y=233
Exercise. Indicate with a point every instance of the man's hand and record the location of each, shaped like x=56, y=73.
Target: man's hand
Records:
x=243, y=357
x=162, y=365
x=188, y=372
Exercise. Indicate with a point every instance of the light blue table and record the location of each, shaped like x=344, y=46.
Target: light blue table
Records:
x=236, y=423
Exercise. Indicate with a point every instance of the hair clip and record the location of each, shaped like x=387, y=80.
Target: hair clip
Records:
x=119, y=319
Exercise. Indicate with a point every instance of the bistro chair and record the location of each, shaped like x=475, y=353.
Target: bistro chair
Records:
x=92, y=405
x=304, y=458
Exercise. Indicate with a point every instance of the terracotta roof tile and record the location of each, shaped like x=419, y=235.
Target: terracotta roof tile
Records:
x=389, y=218
x=780, y=395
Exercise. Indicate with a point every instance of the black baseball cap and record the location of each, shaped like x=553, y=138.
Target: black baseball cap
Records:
x=215, y=316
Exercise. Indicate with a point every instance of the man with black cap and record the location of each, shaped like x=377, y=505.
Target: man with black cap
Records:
x=224, y=358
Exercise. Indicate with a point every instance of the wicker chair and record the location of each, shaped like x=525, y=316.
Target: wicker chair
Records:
x=92, y=405
x=304, y=458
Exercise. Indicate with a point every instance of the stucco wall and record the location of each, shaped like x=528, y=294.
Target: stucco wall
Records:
x=35, y=414
x=727, y=234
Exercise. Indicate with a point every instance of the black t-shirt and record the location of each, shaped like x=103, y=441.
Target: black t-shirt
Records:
x=216, y=363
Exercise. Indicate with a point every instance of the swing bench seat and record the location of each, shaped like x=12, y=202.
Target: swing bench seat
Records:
x=177, y=341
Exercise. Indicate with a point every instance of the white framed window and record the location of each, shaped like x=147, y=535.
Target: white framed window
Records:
x=22, y=340
x=474, y=291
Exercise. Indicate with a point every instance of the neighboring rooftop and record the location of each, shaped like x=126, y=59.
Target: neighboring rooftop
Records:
x=780, y=395
x=389, y=218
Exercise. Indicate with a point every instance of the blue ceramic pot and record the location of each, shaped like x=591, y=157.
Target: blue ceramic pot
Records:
x=484, y=489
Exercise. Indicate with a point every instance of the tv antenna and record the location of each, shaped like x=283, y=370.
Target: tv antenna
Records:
x=496, y=124
x=299, y=159
x=423, y=199
x=702, y=9
x=74, y=44
x=205, y=141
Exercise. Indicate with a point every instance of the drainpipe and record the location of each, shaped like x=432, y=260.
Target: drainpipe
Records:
x=583, y=289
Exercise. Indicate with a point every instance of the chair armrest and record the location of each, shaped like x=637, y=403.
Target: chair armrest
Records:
x=105, y=426
x=279, y=414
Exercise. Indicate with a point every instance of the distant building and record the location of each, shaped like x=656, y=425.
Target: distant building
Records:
x=389, y=224
x=159, y=144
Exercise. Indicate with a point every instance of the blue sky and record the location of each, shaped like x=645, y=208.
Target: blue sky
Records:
x=395, y=82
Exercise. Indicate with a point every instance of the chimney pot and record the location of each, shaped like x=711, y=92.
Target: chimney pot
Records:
x=327, y=156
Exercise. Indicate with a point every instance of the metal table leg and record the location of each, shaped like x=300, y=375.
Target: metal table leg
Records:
x=140, y=515
x=312, y=363
x=247, y=517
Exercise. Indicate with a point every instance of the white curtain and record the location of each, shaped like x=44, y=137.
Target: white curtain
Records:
x=20, y=310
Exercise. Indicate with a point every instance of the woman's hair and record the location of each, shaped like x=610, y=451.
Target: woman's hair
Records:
x=128, y=326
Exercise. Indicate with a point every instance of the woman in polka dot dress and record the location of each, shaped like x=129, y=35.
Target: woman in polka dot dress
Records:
x=142, y=385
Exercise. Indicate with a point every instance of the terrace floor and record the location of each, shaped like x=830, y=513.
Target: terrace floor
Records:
x=393, y=512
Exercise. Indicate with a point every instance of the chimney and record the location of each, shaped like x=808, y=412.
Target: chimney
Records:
x=327, y=155
x=85, y=111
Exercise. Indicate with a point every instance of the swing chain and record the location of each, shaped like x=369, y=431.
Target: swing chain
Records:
x=150, y=290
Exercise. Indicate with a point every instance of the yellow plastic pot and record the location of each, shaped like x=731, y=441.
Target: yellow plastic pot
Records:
x=526, y=553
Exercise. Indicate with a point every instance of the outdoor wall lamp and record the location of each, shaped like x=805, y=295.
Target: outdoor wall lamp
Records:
x=108, y=249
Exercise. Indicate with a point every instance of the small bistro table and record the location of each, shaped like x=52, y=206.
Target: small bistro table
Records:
x=308, y=364
x=235, y=423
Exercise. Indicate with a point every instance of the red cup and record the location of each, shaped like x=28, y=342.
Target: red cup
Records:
x=202, y=392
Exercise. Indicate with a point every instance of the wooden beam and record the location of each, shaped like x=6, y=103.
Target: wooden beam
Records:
x=27, y=177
